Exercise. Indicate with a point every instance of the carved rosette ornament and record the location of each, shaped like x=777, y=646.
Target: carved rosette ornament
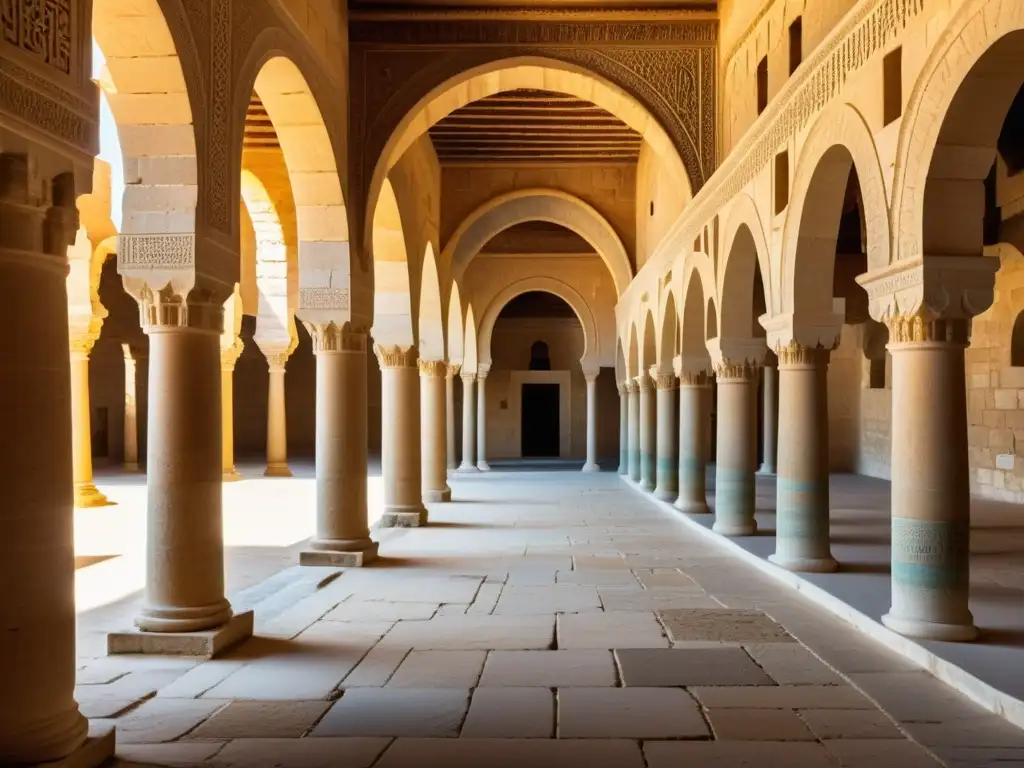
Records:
x=394, y=356
x=797, y=355
x=727, y=370
x=335, y=337
x=433, y=369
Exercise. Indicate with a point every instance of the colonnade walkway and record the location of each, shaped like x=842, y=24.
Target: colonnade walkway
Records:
x=543, y=618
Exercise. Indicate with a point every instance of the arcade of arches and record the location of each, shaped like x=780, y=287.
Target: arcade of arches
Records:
x=639, y=348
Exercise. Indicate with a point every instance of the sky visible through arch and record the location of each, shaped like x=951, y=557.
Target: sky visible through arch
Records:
x=110, y=144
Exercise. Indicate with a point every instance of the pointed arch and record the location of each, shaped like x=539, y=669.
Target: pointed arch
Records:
x=469, y=353
x=431, y=317
x=668, y=333
x=392, y=305
x=746, y=256
x=456, y=327
x=696, y=314
x=648, y=344
x=539, y=204
x=633, y=361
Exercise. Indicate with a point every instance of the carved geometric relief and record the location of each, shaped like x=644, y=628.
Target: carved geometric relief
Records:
x=41, y=28
x=323, y=298
x=162, y=251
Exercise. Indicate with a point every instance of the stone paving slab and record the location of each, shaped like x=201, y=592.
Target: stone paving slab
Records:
x=758, y=725
x=562, y=598
x=783, y=697
x=301, y=753
x=421, y=712
x=454, y=633
x=630, y=713
x=261, y=719
x=551, y=669
x=366, y=610
x=880, y=753
x=689, y=667
x=850, y=724
x=737, y=754
x=792, y=664
x=164, y=719
x=510, y=713
x=512, y=753
x=439, y=669
x=610, y=630
x=723, y=624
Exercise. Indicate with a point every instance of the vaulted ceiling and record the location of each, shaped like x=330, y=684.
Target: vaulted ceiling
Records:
x=528, y=126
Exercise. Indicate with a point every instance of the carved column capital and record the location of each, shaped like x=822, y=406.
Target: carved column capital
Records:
x=794, y=355
x=335, y=337
x=453, y=369
x=229, y=355
x=622, y=387
x=632, y=386
x=910, y=329
x=467, y=378
x=433, y=369
x=644, y=383
x=167, y=309
x=693, y=379
x=664, y=381
x=276, y=361
x=482, y=371
x=394, y=356
x=727, y=370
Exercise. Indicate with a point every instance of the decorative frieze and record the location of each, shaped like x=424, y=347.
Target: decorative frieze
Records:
x=727, y=370
x=394, y=356
x=156, y=252
x=433, y=369
x=323, y=298
x=41, y=28
x=335, y=337
x=907, y=329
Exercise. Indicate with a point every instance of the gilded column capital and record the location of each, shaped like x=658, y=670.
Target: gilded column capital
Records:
x=394, y=356
x=453, y=369
x=335, y=337
x=664, y=381
x=693, y=379
x=726, y=370
x=276, y=361
x=433, y=369
x=794, y=354
x=82, y=343
x=910, y=329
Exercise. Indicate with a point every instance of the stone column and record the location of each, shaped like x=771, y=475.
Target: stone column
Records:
x=931, y=506
x=39, y=718
x=591, y=465
x=633, y=438
x=667, y=440
x=86, y=493
x=734, y=465
x=770, y=417
x=131, y=407
x=449, y=412
x=623, y=429
x=802, y=500
x=400, y=437
x=277, y=421
x=648, y=432
x=468, y=424
x=433, y=375
x=185, y=550
x=481, y=420
x=694, y=415
x=228, y=358
x=342, y=531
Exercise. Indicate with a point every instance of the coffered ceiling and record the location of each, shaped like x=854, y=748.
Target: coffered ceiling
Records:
x=535, y=127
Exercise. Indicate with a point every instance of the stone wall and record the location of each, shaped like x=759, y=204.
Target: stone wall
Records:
x=659, y=201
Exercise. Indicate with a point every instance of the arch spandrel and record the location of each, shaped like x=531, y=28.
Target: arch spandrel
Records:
x=550, y=205
x=568, y=294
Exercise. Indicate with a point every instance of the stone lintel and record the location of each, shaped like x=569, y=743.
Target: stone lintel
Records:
x=334, y=559
x=736, y=351
x=206, y=644
x=403, y=519
x=934, y=286
x=95, y=751
x=690, y=365
x=807, y=330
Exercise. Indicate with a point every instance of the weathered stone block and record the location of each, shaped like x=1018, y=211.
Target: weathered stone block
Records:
x=339, y=559
x=206, y=644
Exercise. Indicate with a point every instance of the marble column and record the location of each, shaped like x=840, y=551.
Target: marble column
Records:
x=481, y=420
x=228, y=358
x=86, y=493
x=591, y=464
x=451, y=459
x=648, y=432
x=734, y=465
x=468, y=424
x=694, y=416
x=39, y=718
x=433, y=375
x=770, y=417
x=634, y=429
x=132, y=359
x=185, y=548
x=277, y=421
x=802, y=500
x=623, y=429
x=667, y=439
x=342, y=529
x=400, y=437
x=931, y=506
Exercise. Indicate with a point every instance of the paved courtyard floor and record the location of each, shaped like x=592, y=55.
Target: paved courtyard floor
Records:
x=542, y=619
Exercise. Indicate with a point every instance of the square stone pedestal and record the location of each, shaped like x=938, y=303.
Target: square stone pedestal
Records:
x=97, y=749
x=404, y=519
x=336, y=559
x=433, y=497
x=206, y=644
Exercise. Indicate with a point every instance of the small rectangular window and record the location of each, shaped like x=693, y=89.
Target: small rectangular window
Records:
x=781, y=181
x=796, y=43
x=892, y=85
x=762, y=85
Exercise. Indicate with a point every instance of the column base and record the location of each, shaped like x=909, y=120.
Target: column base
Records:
x=665, y=494
x=692, y=507
x=931, y=630
x=231, y=476
x=766, y=469
x=95, y=751
x=341, y=558
x=467, y=469
x=483, y=466
x=88, y=495
x=591, y=467
x=806, y=564
x=646, y=486
x=277, y=470
x=131, y=466
x=434, y=497
x=206, y=644
x=733, y=529
x=403, y=517
x=623, y=470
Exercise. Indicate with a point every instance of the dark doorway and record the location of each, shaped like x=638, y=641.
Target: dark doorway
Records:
x=540, y=420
